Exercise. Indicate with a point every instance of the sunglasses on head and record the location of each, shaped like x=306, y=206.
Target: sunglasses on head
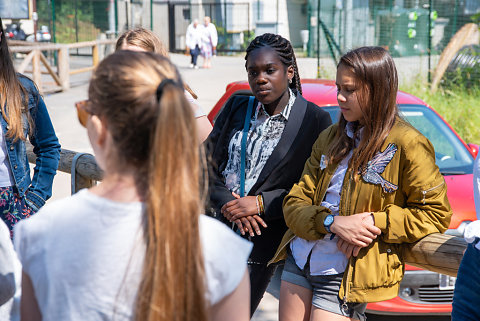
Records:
x=83, y=111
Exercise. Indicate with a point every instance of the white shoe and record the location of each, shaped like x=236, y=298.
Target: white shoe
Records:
x=196, y=67
x=191, y=66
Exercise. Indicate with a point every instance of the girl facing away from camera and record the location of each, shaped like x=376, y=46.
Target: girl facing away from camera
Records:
x=276, y=129
x=141, y=39
x=24, y=116
x=135, y=247
x=370, y=186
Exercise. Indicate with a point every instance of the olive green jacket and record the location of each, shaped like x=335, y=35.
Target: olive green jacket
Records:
x=412, y=206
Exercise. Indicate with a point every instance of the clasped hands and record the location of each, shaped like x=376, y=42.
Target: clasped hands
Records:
x=354, y=232
x=243, y=211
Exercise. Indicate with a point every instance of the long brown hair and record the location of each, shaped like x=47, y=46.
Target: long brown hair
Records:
x=11, y=91
x=153, y=130
x=377, y=85
x=148, y=41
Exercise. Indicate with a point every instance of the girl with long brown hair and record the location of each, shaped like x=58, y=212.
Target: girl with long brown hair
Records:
x=369, y=187
x=141, y=39
x=135, y=247
x=23, y=116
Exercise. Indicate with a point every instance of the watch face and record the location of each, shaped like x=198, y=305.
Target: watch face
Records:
x=328, y=220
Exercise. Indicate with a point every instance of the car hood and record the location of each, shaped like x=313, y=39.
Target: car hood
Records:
x=460, y=195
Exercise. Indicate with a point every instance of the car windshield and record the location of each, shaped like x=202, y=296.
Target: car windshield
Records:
x=451, y=155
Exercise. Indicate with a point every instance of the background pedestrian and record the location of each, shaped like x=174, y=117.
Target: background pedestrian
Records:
x=209, y=42
x=193, y=41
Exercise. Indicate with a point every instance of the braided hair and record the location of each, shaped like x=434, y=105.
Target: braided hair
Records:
x=283, y=48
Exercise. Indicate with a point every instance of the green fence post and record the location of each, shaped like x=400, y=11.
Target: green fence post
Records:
x=116, y=17
x=318, y=38
x=151, y=15
x=429, y=73
x=53, y=22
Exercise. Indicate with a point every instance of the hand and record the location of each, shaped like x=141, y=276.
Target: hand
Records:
x=240, y=207
x=358, y=229
x=347, y=248
x=249, y=224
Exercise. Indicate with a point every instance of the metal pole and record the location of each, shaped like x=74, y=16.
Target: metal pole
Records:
x=318, y=38
x=455, y=13
x=53, y=22
x=35, y=19
x=429, y=74
x=76, y=23
x=116, y=17
x=278, y=9
x=151, y=15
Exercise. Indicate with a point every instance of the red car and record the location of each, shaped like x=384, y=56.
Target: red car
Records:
x=421, y=292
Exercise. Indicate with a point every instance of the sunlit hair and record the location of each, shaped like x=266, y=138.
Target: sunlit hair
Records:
x=157, y=140
x=12, y=92
x=148, y=41
x=285, y=53
x=376, y=83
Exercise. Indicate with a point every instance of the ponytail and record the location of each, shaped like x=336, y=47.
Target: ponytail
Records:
x=173, y=286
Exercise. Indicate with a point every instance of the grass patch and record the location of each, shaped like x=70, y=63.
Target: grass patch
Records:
x=458, y=105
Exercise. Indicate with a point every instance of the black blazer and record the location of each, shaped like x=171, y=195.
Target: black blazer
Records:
x=283, y=168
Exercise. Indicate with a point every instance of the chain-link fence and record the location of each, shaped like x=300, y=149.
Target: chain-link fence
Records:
x=416, y=32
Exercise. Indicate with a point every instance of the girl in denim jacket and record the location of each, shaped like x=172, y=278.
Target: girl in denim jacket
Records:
x=23, y=114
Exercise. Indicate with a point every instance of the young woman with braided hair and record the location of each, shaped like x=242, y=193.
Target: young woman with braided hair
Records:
x=277, y=130
x=135, y=247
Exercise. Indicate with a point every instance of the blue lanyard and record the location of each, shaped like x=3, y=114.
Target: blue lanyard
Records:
x=243, y=151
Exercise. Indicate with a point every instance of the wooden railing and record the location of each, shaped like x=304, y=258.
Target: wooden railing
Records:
x=436, y=252
x=62, y=70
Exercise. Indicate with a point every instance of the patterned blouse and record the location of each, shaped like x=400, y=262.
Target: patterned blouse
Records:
x=263, y=136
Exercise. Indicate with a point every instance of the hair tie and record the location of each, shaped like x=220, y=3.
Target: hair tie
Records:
x=166, y=81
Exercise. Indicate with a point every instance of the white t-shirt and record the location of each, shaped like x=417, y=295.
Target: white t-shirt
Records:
x=6, y=176
x=84, y=255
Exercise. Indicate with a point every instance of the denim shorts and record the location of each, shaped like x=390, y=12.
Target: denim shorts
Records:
x=324, y=289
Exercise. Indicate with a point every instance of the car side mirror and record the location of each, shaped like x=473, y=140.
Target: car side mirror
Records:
x=473, y=149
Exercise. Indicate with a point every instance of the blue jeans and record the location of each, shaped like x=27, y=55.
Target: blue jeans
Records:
x=194, y=53
x=466, y=297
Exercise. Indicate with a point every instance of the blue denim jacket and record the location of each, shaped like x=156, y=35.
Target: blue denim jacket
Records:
x=45, y=146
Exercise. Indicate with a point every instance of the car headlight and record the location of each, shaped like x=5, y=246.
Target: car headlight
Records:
x=460, y=230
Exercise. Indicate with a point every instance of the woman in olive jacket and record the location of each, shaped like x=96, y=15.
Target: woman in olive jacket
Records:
x=370, y=186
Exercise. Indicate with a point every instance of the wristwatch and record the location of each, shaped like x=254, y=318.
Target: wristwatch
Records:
x=327, y=222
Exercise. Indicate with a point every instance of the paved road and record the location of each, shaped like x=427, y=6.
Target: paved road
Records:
x=209, y=84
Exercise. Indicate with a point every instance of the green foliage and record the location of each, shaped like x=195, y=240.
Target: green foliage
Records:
x=82, y=19
x=459, y=106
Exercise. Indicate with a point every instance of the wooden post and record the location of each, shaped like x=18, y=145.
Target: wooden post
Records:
x=63, y=67
x=86, y=170
x=36, y=72
x=95, y=55
x=437, y=252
